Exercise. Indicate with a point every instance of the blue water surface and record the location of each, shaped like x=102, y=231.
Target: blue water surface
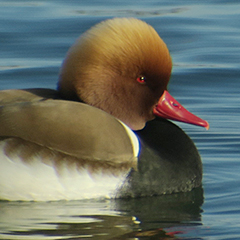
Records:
x=204, y=40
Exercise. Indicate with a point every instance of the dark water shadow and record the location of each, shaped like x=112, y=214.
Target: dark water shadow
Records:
x=162, y=217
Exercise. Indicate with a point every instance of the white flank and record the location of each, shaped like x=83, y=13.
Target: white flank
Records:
x=37, y=181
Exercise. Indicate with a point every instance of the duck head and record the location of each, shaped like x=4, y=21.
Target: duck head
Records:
x=122, y=66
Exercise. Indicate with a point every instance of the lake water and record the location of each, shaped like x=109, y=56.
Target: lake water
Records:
x=204, y=41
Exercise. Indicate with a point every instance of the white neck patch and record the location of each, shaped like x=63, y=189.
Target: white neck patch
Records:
x=133, y=138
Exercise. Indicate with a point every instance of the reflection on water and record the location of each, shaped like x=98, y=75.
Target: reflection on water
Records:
x=155, y=217
x=129, y=13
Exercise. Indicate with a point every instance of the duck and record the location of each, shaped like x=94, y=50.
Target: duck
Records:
x=105, y=131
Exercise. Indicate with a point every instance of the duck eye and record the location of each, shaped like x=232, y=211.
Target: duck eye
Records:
x=141, y=79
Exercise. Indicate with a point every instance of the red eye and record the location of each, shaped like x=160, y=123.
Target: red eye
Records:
x=141, y=79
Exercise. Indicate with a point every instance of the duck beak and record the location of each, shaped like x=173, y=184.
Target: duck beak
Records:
x=170, y=108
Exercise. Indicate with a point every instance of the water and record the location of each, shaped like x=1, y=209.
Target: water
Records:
x=203, y=38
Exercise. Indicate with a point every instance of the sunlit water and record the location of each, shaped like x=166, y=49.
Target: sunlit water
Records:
x=204, y=41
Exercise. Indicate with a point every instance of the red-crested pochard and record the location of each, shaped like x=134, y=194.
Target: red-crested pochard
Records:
x=89, y=138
